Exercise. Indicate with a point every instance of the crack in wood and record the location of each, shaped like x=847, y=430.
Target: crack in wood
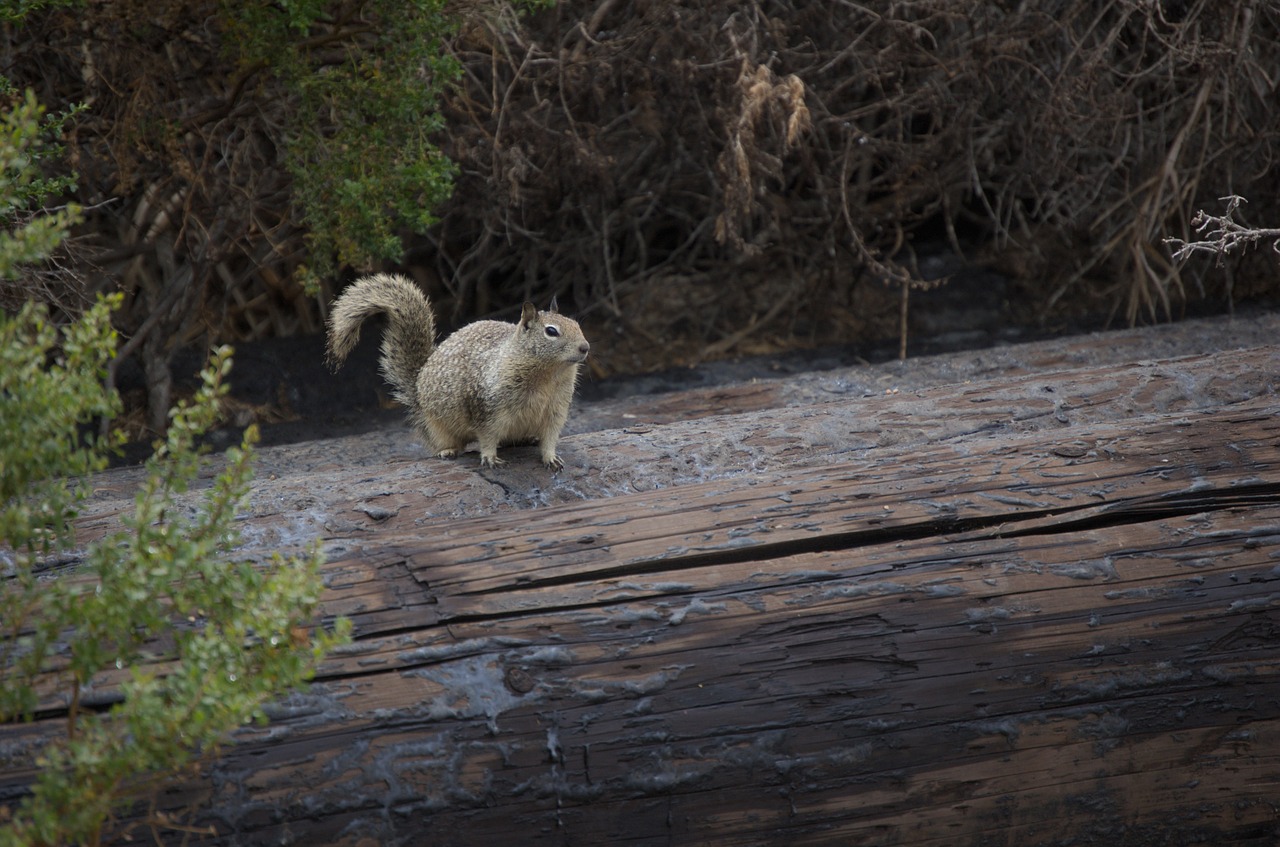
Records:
x=1161, y=507
x=1046, y=634
x=1118, y=513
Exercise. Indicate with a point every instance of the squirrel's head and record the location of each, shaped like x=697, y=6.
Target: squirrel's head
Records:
x=552, y=331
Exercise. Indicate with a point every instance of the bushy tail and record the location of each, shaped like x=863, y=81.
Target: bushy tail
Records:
x=410, y=336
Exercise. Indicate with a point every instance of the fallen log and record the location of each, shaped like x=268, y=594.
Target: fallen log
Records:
x=369, y=485
x=1048, y=647
x=1034, y=617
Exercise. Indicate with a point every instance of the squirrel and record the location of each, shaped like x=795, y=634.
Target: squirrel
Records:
x=491, y=381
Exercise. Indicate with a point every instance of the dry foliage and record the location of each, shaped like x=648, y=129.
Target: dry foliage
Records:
x=189, y=202
x=694, y=179
x=707, y=172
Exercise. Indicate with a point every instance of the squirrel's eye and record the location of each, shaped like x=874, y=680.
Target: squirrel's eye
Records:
x=553, y=330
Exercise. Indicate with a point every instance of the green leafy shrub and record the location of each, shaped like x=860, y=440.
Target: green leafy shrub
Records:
x=27, y=235
x=174, y=641
x=366, y=85
x=192, y=642
x=42, y=410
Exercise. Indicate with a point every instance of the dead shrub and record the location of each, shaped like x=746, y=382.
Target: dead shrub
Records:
x=801, y=149
x=694, y=179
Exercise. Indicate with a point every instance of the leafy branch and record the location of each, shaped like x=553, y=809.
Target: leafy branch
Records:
x=149, y=646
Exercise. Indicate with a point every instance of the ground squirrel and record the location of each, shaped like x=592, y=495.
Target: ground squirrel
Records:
x=490, y=381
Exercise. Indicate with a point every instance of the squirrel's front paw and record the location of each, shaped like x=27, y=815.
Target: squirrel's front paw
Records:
x=553, y=461
x=491, y=461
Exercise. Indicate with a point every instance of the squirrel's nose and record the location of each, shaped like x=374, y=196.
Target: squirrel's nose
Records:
x=584, y=348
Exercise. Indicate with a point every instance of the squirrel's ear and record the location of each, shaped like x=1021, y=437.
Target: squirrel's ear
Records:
x=528, y=314
x=553, y=307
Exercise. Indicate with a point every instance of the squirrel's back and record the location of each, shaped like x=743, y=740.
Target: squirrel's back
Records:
x=490, y=381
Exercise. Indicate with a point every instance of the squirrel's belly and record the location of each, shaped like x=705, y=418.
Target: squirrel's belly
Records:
x=529, y=417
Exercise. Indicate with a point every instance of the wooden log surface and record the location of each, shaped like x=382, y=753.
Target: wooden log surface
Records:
x=351, y=488
x=1035, y=609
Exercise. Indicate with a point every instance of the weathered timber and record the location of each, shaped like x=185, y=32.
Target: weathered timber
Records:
x=1005, y=640
x=379, y=483
x=1040, y=609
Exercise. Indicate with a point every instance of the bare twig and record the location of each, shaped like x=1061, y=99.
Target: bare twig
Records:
x=733, y=154
x=1221, y=235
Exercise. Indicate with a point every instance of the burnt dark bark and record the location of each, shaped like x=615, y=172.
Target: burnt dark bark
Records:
x=1030, y=609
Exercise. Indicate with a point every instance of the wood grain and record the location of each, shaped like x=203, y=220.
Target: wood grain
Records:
x=995, y=636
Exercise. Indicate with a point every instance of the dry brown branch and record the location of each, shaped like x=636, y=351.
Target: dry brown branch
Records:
x=1221, y=235
x=658, y=145
x=178, y=161
x=675, y=171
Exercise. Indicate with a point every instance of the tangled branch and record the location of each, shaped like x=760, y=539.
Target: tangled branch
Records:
x=695, y=179
x=679, y=171
x=1221, y=235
